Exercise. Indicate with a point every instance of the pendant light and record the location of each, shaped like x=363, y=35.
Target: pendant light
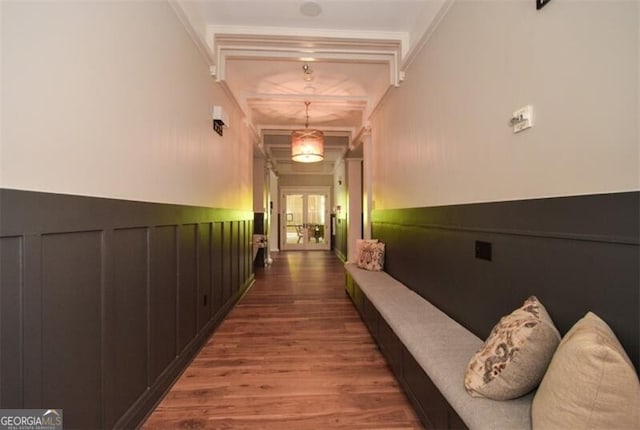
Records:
x=307, y=146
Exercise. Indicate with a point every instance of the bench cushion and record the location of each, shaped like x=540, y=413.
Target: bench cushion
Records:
x=442, y=347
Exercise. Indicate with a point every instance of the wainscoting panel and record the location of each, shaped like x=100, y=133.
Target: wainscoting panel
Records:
x=341, y=239
x=205, y=261
x=11, y=249
x=217, y=251
x=163, y=299
x=125, y=315
x=235, y=264
x=187, y=286
x=576, y=254
x=71, y=324
x=227, y=284
x=247, y=252
x=104, y=302
x=241, y=251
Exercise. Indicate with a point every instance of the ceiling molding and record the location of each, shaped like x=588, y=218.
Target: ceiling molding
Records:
x=352, y=71
x=426, y=26
x=311, y=34
x=278, y=130
x=347, y=102
x=357, y=139
x=235, y=102
x=304, y=48
x=192, y=21
x=254, y=135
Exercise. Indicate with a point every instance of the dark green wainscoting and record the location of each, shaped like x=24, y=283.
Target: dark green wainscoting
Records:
x=104, y=302
x=576, y=254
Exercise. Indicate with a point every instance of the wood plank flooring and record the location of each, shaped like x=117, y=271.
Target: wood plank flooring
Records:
x=293, y=354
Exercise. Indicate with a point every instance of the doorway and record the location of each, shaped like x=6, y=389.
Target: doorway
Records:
x=305, y=219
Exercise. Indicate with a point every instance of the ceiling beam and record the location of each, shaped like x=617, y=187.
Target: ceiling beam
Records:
x=268, y=47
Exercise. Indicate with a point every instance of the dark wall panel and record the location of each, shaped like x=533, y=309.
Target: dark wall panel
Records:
x=576, y=254
x=341, y=238
x=226, y=261
x=187, y=286
x=103, y=302
x=241, y=252
x=217, y=267
x=126, y=317
x=32, y=317
x=234, y=252
x=163, y=303
x=247, y=250
x=11, y=282
x=205, y=261
x=71, y=329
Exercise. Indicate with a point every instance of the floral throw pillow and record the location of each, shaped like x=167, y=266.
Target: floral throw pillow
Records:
x=515, y=357
x=359, y=244
x=371, y=256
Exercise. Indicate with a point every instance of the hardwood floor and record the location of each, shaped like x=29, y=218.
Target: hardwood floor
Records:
x=293, y=354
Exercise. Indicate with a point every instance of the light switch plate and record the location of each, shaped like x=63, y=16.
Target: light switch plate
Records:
x=522, y=119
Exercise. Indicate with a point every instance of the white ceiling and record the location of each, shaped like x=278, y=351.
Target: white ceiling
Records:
x=371, y=15
x=355, y=49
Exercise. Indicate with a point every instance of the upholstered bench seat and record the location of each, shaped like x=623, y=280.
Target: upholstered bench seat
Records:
x=441, y=347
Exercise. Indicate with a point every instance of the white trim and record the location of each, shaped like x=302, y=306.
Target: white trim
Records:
x=261, y=42
x=367, y=182
x=402, y=37
x=180, y=9
x=425, y=34
x=233, y=99
x=352, y=101
x=304, y=190
x=308, y=189
x=282, y=130
x=377, y=106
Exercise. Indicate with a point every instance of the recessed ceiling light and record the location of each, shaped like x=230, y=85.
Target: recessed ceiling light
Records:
x=310, y=8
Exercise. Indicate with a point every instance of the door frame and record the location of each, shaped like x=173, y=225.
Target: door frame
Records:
x=305, y=190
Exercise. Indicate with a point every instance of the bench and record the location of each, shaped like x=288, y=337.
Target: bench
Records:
x=428, y=353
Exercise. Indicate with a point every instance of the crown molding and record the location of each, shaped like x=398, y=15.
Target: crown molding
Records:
x=279, y=130
x=305, y=35
x=421, y=34
x=191, y=21
x=298, y=46
x=350, y=102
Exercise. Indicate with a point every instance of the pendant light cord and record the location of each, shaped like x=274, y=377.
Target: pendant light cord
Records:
x=306, y=124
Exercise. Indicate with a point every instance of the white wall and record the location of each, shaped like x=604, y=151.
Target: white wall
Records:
x=340, y=195
x=112, y=99
x=306, y=180
x=259, y=186
x=354, y=209
x=274, y=211
x=443, y=136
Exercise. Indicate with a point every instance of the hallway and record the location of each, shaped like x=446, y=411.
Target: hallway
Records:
x=292, y=354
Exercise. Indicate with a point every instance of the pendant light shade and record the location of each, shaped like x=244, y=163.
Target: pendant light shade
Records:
x=307, y=146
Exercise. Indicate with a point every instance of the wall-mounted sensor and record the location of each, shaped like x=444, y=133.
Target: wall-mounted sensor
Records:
x=220, y=119
x=541, y=3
